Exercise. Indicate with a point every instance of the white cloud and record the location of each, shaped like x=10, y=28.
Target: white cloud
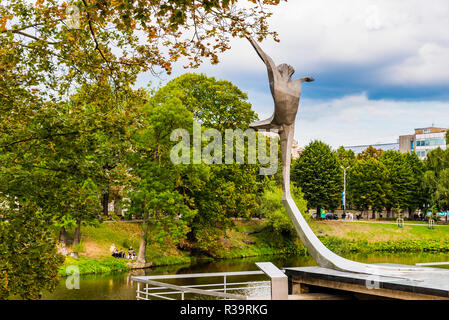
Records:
x=388, y=42
x=430, y=65
x=321, y=35
x=355, y=120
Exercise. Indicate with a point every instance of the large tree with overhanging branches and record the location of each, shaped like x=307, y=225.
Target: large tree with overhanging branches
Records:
x=57, y=141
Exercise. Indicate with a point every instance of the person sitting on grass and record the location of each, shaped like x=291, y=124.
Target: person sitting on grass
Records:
x=121, y=254
x=115, y=253
x=131, y=253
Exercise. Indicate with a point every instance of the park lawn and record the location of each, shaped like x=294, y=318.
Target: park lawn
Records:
x=378, y=232
x=97, y=240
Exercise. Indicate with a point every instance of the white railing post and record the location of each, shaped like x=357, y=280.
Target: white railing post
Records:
x=279, y=281
x=224, y=284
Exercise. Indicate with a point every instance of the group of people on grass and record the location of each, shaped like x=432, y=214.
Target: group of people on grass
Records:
x=349, y=216
x=131, y=255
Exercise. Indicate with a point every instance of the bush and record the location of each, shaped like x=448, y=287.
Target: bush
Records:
x=273, y=210
x=93, y=266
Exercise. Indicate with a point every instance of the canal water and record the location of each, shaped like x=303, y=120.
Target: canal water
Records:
x=118, y=286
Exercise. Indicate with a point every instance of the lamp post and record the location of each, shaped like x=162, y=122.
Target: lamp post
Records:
x=344, y=188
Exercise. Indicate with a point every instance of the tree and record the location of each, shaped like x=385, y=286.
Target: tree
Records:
x=79, y=39
x=435, y=180
x=370, y=152
x=319, y=175
x=53, y=157
x=52, y=146
x=441, y=196
x=231, y=189
x=367, y=185
x=160, y=190
x=28, y=259
x=271, y=208
x=419, y=197
x=217, y=104
x=346, y=157
x=400, y=178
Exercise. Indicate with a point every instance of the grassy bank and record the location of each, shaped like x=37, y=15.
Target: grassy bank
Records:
x=249, y=238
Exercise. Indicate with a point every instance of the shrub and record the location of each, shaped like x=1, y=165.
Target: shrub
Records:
x=273, y=210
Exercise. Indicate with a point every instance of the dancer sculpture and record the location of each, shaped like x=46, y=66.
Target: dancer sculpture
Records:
x=286, y=94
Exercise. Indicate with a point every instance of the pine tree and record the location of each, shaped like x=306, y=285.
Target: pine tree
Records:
x=400, y=178
x=367, y=185
x=319, y=175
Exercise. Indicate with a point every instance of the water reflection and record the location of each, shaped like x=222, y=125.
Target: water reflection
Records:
x=118, y=286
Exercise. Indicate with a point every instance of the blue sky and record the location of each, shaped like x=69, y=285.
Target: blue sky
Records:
x=381, y=67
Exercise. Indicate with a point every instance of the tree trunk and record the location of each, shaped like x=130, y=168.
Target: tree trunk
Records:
x=63, y=236
x=77, y=235
x=105, y=203
x=141, y=259
x=117, y=209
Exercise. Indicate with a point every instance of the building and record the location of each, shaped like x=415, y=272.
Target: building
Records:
x=383, y=146
x=423, y=141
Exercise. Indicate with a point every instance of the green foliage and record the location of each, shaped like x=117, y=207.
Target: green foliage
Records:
x=78, y=248
x=370, y=152
x=319, y=175
x=28, y=258
x=67, y=114
x=158, y=191
x=227, y=191
x=400, y=180
x=113, y=42
x=272, y=209
x=367, y=184
x=94, y=266
x=342, y=246
x=436, y=180
x=217, y=104
x=346, y=157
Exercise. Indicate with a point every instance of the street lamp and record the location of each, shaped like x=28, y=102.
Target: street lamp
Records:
x=344, y=188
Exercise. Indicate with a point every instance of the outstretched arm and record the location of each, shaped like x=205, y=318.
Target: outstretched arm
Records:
x=306, y=79
x=265, y=58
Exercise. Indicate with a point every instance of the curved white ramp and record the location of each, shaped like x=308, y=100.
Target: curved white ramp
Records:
x=328, y=259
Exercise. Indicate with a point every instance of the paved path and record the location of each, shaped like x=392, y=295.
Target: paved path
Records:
x=395, y=223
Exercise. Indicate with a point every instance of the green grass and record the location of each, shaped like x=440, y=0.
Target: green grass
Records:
x=341, y=237
x=93, y=266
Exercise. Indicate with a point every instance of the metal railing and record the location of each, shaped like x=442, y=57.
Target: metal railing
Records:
x=149, y=286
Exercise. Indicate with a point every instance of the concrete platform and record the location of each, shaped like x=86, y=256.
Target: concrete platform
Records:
x=430, y=285
x=308, y=297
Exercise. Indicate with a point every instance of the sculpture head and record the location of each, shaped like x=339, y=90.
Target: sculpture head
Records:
x=286, y=70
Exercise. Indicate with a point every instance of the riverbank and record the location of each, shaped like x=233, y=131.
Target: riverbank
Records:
x=250, y=239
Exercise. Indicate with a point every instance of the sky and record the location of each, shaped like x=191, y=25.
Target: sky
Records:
x=381, y=68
